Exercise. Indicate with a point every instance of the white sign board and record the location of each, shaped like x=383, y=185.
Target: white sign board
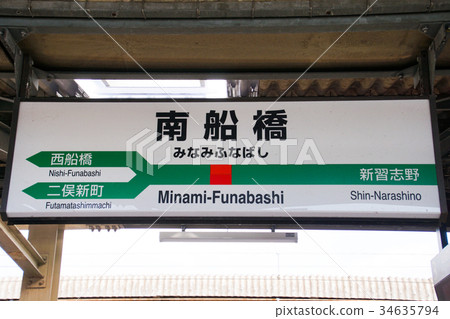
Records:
x=343, y=159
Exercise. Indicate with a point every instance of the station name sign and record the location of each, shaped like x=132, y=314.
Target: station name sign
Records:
x=340, y=159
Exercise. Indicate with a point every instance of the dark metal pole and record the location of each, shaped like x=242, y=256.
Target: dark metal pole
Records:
x=24, y=76
x=443, y=235
x=428, y=85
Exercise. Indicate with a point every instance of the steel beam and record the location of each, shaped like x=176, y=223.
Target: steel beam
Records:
x=442, y=233
x=6, y=107
x=4, y=141
x=48, y=239
x=9, y=39
x=217, y=26
x=7, y=75
x=24, y=76
x=445, y=142
x=20, y=250
x=242, y=75
x=443, y=105
x=152, y=9
x=436, y=47
x=201, y=75
x=9, y=43
x=427, y=83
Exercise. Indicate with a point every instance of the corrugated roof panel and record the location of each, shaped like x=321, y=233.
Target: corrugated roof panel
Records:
x=10, y=288
x=307, y=287
x=394, y=86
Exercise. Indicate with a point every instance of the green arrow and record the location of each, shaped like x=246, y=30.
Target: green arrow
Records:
x=86, y=190
x=331, y=174
x=88, y=159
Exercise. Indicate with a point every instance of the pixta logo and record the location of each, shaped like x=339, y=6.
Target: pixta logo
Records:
x=147, y=150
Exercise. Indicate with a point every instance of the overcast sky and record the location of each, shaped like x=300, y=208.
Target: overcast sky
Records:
x=330, y=253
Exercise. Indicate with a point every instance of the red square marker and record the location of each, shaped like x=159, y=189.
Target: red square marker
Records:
x=220, y=180
x=220, y=169
x=220, y=175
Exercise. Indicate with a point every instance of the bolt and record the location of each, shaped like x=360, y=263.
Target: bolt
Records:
x=23, y=34
x=41, y=283
x=424, y=29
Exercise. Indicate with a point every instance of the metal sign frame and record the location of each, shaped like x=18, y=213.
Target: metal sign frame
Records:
x=237, y=222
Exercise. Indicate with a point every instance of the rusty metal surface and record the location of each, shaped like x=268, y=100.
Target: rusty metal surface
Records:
x=225, y=51
x=5, y=63
x=7, y=88
x=20, y=250
x=443, y=60
x=213, y=8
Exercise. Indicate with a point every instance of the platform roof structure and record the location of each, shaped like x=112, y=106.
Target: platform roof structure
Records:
x=262, y=40
x=394, y=49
